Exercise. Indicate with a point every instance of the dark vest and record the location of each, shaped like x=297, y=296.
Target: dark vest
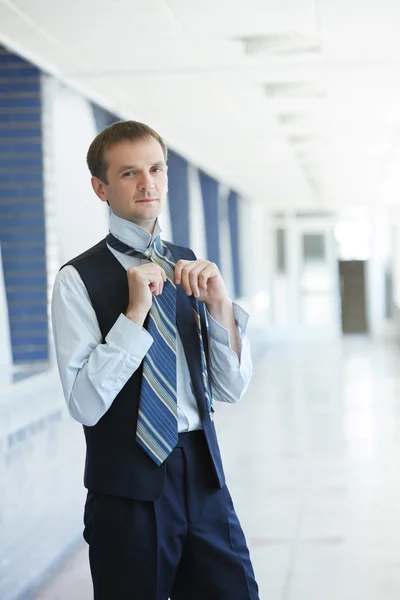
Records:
x=115, y=463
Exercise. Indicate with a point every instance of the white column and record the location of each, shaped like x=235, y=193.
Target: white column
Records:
x=255, y=256
x=165, y=223
x=375, y=276
x=5, y=340
x=76, y=218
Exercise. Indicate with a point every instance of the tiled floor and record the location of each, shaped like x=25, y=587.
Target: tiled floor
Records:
x=313, y=461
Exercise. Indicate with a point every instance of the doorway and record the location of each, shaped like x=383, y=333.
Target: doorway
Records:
x=353, y=296
x=305, y=283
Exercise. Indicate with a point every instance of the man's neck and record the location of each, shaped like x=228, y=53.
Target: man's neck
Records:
x=133, y=233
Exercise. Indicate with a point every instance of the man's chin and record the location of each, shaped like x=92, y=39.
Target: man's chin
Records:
x=144, y=220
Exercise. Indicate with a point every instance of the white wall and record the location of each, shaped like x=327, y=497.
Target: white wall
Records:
x=42, y=455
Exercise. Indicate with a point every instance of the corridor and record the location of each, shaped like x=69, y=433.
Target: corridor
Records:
x=312, y=457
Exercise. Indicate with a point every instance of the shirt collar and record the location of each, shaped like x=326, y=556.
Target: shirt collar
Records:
x=135, y=236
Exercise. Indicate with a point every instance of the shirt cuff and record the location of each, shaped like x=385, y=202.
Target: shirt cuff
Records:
x=130, y=337
x=221, y=334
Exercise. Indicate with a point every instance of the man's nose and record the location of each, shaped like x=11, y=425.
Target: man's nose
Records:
x=145, y=183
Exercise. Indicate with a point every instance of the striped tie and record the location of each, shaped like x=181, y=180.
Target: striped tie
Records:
x=157, y=425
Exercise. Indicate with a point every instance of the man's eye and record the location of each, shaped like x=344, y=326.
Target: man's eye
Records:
x=129, y=174
x=157, y=169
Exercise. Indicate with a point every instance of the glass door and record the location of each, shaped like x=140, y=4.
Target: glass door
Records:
x=317, y=278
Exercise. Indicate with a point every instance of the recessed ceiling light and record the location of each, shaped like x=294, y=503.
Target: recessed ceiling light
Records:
x=301, y=138
x=294, y=118
x=294, y=89
x=281, y=43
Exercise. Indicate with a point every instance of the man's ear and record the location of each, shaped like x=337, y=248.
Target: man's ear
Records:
x=99, y=188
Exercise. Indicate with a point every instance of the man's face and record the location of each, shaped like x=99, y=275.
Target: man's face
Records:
x=137, y=181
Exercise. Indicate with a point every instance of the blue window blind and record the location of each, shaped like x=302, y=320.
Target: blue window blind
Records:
x=209, y=191
x=102, y=117
x=22, y=222
x=178, y=198
x=233, y=216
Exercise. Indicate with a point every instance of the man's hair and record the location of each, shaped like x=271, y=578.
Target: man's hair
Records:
x=114, y=134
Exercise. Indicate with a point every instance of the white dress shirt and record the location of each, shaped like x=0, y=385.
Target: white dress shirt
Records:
x=92, y=373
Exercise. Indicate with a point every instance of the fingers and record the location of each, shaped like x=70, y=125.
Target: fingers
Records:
x=178, y=270
x=152, y=275
x=161, y=278
x=205, y=276
x=157, y=285
x=185, y=281
x=193, y=275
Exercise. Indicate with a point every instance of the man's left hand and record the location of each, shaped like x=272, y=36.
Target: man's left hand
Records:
x=202, y=279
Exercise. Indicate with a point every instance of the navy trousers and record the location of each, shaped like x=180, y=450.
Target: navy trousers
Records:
x=187, y=545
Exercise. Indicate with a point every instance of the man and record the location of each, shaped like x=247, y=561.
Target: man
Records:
x=146, y=337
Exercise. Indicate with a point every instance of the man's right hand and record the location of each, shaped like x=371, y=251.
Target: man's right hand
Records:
x=144, y=282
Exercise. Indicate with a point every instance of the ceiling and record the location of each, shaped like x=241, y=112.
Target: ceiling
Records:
x=295, y=103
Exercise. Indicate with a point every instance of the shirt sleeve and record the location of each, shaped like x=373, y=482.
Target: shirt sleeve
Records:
x=92, y=373
x=230, y=376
